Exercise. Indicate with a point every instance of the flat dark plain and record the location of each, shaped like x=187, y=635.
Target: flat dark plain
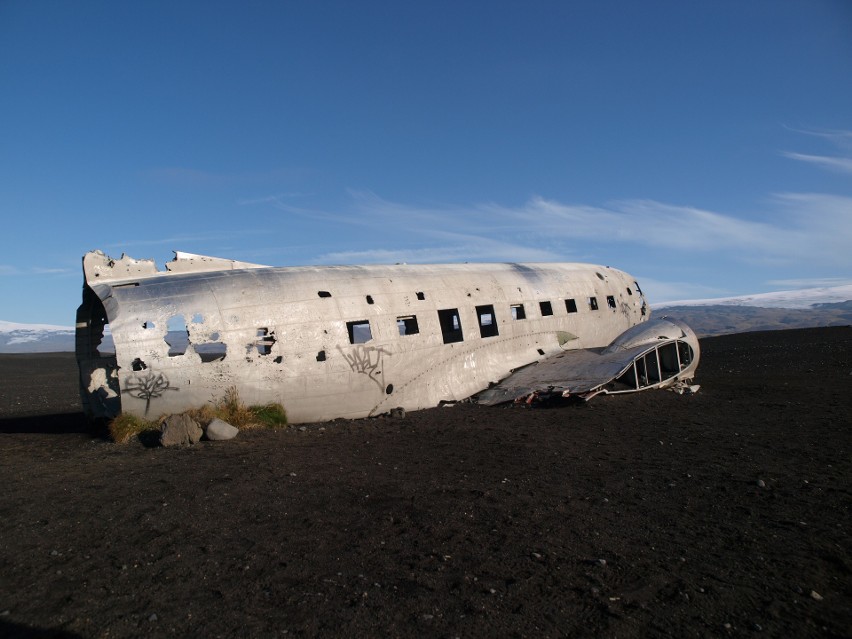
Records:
x=724, y=513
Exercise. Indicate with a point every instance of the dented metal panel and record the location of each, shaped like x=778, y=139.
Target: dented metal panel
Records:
x=671, y=346
x=326, y=342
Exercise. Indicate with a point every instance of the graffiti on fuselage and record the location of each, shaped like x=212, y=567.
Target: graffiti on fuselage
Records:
x=367, y=360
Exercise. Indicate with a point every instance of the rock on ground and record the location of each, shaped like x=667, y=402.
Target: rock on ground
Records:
x=180, y=430
x=219, y=430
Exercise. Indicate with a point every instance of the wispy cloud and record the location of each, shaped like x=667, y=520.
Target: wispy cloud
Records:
x=192, y=177
x=813, y=227
x=659, y=291
x=476, y=250
x=279, y=199
x=812, y=282
x=839, y=164
x=179, y=241
x=51, y=271
x=839, y=139
x=7, y=270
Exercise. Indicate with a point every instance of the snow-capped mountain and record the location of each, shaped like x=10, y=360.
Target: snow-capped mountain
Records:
x=827, y=306
x=804, y=298
x=35, y=338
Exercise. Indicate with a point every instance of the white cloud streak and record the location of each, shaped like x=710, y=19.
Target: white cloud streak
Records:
x=838, y=164
x=816, y=228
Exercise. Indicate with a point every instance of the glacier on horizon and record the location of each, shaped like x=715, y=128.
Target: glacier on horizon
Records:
x=803, y=298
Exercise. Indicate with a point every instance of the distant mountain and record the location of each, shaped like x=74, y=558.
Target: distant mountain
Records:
x=35, y=338
x=803, y=298
x=828, y=306
x=40, y=338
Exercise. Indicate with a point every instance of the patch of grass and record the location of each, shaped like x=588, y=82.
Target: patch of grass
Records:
x=125, y=427
x=229, y=409
x=270, y=415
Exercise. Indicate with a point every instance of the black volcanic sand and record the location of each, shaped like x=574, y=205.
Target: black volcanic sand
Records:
x=725, y=513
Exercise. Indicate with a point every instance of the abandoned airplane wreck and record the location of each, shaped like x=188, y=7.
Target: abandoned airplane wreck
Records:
x=356, y=341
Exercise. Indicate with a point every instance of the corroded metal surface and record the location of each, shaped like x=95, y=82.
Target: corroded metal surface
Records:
x=328, y=342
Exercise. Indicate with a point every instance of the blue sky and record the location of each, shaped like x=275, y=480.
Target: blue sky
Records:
x=704, y=147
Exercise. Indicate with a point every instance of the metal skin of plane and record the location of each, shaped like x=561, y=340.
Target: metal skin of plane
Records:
x=332, y=342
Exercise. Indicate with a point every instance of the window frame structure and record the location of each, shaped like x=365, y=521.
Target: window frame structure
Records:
x=451, y=325
x=407, y=325
x=359, y=337
x=487, y=321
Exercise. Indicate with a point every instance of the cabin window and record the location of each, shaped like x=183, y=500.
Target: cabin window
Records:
x=487, y=321
x=265, y=341
x=321, y=356
x=571, y=306
x=359, y=331
x=629, y=292
x=450, y=325
x=546, y=308
x=652, y=367
x=407, y=325
x=177, y=335
x=685, y=352
x=610, y=301
x=369, y=299
x=593, y=303
x=669, y=365
x=660, y=364
x=421, y=295
x=323, y=293
x=518, y=312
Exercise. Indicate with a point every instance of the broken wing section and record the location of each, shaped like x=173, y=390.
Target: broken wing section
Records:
x=655, y=354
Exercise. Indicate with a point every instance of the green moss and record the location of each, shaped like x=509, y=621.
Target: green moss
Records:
x=270, y=415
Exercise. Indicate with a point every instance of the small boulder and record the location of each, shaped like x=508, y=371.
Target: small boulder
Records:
x=219, y=430
x=397, y=413
x=180, y=430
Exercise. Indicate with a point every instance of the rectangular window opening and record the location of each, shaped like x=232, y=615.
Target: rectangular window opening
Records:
x=359, y=331
x=487, y=320
x=571, y=306
x=265, y=341
x=451, y=327
x=177, y=335
x=546, y=308
x=669, y=364
x=407, y=325
x=518, y=312
x=610, y=301
x=593, y=303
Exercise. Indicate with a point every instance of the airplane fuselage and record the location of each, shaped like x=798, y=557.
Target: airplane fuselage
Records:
x=333, y=341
